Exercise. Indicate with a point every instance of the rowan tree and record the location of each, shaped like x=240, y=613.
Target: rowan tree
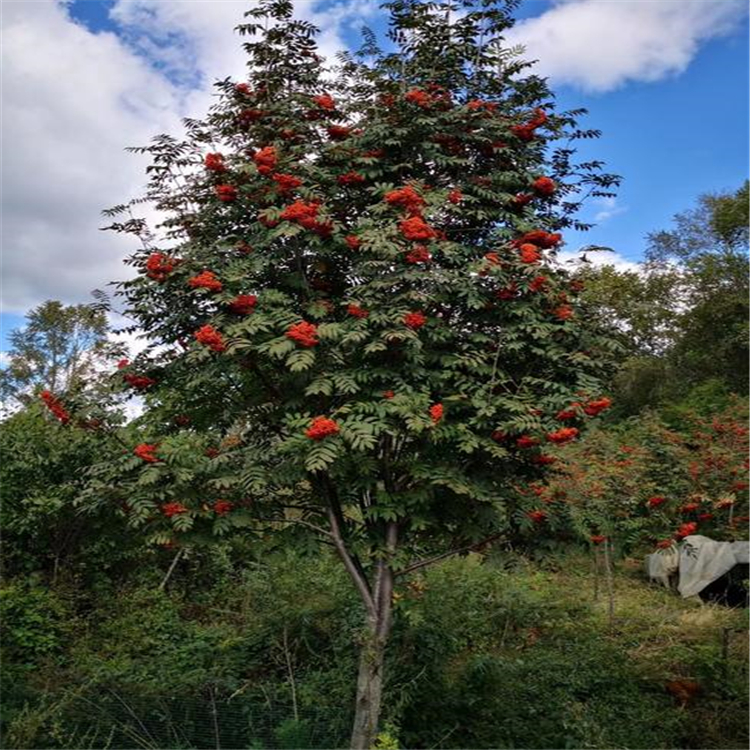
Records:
x=360, y=335
x=645, y=485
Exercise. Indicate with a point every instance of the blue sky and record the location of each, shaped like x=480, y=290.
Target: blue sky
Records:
x=670, y=140
x=666, y=82
x=95, y=15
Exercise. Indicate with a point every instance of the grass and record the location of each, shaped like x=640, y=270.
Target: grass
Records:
x=655, y=625
x=528, y=658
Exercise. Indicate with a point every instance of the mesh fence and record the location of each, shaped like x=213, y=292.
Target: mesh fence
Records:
x=118, y=721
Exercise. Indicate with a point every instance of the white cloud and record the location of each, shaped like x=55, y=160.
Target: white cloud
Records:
x=69, y=108
x=193, y=42
x=572, y=258
x=196, y=42
x=608, y=208
x=598, y=45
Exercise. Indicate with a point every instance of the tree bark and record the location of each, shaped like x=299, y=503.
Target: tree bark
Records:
x=377, y=598
x=372, y=654
x=369, y=690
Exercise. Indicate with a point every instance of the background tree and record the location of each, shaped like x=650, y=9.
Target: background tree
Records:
x=710, y=243
x=683, y=317
x=42, y=473
x=361, y=336
x=50, y=439
x=717, y=226
x=58, y=348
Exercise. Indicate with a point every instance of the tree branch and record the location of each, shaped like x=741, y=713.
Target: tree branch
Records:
x=429, y=561
x=335, y=505
x=168, y=575
x=309, y=525
x=356, y=574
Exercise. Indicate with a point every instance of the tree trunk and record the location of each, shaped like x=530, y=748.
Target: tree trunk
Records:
x=372, y=655
x=378, y=603
x=369, y=690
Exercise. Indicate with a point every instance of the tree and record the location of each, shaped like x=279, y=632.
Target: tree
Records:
x=42, y=473
x=58, y=348
x=718, y=225
x=709, y=245
x=683, y=317
x=644, y=303
x=361, y=336
x=644, y=482
x=645, y=307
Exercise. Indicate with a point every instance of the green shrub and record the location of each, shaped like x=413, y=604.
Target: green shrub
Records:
x=33, y=623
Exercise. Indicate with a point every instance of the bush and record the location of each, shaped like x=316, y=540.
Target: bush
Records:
x=42, y=473
x=33, y=623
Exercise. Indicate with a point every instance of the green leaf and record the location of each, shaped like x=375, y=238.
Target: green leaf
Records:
x=322, y=455
x=300, y=360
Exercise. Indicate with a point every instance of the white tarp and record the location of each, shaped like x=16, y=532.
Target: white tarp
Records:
x=741, y=552
x=702, y=561
x=662, y=564
x=699, y=560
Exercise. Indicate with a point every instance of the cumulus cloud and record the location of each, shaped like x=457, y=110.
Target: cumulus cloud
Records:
x=72, y=106
x=598, y=45
x=191, y=42
x=195, y=42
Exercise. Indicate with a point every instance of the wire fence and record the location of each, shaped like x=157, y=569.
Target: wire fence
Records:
x=113, y=720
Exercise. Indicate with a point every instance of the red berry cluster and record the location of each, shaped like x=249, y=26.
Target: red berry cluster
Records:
x=303, y=333
x=147, y=452
x=55, y=406
x=210, y=337
x=321, y=427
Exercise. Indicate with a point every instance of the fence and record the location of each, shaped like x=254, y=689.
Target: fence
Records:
x=111, y=719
